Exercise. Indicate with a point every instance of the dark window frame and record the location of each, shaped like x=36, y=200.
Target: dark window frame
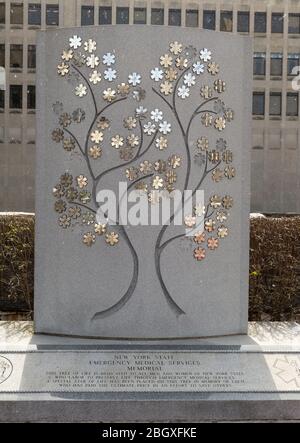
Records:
x=3, y=53
x=160, y=15
x=257, y=24
x=279, y=113
x=223, y=15
x=276, y=56
x=121, y=10
x=137, y=20
x=21, y=7
x=289, y=95
x=177, y=14
x=263, y=96
x=91, y=19
x=18, y=90
x=31, y=56
x=209, y=14
x=290, y=27
x=240, y=23
x=37, y=14
x=31, y=97
x=277, y=23
x=20, y=50
x=106, y=10
x=190, y=12
x=50, y=9
x=2, y=13
x=259, y=60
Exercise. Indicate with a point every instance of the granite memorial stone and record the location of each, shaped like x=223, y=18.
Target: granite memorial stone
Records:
x=156, y=109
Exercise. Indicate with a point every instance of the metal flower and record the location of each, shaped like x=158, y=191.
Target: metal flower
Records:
x=205, y=55
x=85, y=196
x=157, y=182
x=166, y=88
x=95, y=77
x=189, y=79
x=57, y=135
x=65, y=120
x=117, y=141
x=227, y=202
x=206, y=92
x=92, y=61
x=90, y=45
x=88, y=218
x=64, y=221
x=66, y=179
x=171, y=74
x=74, y=212
x=109, y=95
x=82, y=181
x=89, y=239
x=132, y=173
x=63, y=69
x=165, y=128
x=166, y=60
x=175, y=48
x=67, y=55
x=97, y=136
x=156, y=74
x=109, y=59
x=123, y=89
x=203, y=143
x=156, y=115
x=126, y=153
x=110, y=74
x=100, y=229
x=81, y=90
x=220, y=86
x=95, y=152
x=222, y=231
x=221, y=144
x=215, y=201
x=141, y=112
x=181, y=63
x=132, y=140
x=183, y=92
x=134, y=79
x=171, y=177
x=198, y=68
x=161, y=143
x=214, y=156
x=222, y=216
x=69, y=144
x=207, y=119
x=71, y=194
x=199, y=237
x=217, y=175
x=103, y=123
x=79, y=60
x=149, y=128
x=78, y=115
x=199, y=254
x=227, y=157
x=138, y=94
x=200, y=159
x=213, y=243
x=220, y=123
x=229, y=172
x=75, y=42
x=112, y=238
x=60, y=206
x=210, y=225
x=174, y=161
x=160, y=166
x=190, y=221
x=213, y=68
x=130, y=122
x=58, y=191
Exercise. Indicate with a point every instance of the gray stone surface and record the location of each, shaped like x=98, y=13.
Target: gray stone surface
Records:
x=265, y=340
x=74, y=282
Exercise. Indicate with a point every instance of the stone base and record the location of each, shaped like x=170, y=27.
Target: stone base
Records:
x=239, y=378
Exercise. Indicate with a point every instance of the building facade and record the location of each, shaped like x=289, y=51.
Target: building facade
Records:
x=275, y=26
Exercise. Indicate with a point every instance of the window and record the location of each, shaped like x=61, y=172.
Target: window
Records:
x=260, y=22
x=191, y=18
x=277, y=23
x=31, y=97
x=209, y=20
x=157, y=16
x=105, y=15
x=16, y=14
x=122, y=16
x=259, y=63
x=87, y=15
x=292, y=62
x=258, y=103
x=275, y=103
x=31, y=57
x=226, y=21
x=2, y=55
x=2, y=99
x=174, y=17
x=16, y=57
x=34, y=14
x=140, y=16
x=52, y=15
x=294, y=23
x=2, y=134
x=2, y=13
x=15, y=97
x=243, y=21
x=292, y=104
x=276, y=64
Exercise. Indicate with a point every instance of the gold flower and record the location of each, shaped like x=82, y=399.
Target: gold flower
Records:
x=69, y=144
x=220, y=86
x=126, y=153
x=171, y=177
x=146, y=167
x=214, y=156
x=74, y=212
x=130, y=122
x=206, y=92
x=97, y=136
x=88, y=218
x=229, y=172
x=171, y=74
x=112, y=238
x=123, y=89
x=213, y=68
x=175, y=48
x=222, y=216
x=67, y=55
x=166, y=60
x=64, y=221
x=141, y=186
x=190, y=221
x=215, y=201
x=213, y=243
x=71, y=194
x=132, y=173
x=63, y=69
x=199, y=237
x=209, y=225
x=222, y=231
x=82, y=181
x=65, y=120
x=95, y=77
x=81, y=90
x=66, y=179
x=227, y=202
x=217, y=175
x=181, y=63
x=160, y=166
x=60, y=206
x=174, y=161
x=57, y=135
x=103, y=123
x=132, y=140
x=199, y=254
x=207, y=119
x=161, y=143
x=227, y=157
x=203, y=143
x=166, y=88
x=100, y=229
x=117, y=141
x=220, y=123
x=89, y=239
x=157, y=182
x=95, y=152
x=109, y=95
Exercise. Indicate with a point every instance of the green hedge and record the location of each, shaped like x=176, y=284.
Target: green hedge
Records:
x=274, y=266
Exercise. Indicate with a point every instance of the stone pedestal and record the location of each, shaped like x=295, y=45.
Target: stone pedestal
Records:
x=48, y=378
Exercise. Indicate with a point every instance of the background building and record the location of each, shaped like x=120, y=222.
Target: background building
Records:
x=275, y=25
